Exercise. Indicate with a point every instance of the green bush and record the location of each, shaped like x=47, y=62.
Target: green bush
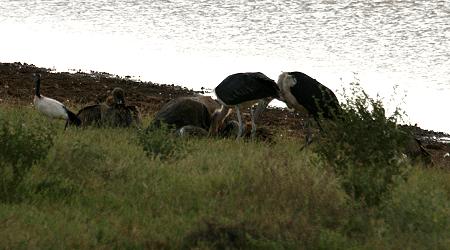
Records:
x=21, y=145
x=364, y=146
x=161, y=143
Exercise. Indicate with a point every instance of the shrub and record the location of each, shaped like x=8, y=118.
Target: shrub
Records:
x=21, y=145
x=161, y=143
x=364, y=146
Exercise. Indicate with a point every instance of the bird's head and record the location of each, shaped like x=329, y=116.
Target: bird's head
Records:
x=285, y=82
x=229, y=129
x=36, y=76
x=118, y=96
x=286, y=79
x=37, y=84
x=109, y=100
x=217, y=119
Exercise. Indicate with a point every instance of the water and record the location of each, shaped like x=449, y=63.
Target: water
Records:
x=198, y=43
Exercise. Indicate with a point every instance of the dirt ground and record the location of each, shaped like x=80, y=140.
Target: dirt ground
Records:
x=77, y=90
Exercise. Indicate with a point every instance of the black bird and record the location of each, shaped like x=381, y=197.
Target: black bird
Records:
x=114, y=113
x=92, y=115
x=183, y=111
x=299, y=90
x=243, y=90
x=117, y=115
x=51, y=107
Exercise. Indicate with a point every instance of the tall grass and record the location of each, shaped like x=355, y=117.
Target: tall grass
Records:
x=419, y=211
x=110, y=188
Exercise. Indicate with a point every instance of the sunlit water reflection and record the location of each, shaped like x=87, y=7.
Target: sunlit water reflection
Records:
x=198, y=43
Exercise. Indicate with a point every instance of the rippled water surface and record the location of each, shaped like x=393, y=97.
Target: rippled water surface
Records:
x=198, y=43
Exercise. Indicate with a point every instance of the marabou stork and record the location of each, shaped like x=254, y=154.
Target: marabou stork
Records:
x=243, y=90
x=299, y=90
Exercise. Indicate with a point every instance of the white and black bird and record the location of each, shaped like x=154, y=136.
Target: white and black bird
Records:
x=299, y=91
x=243, y=90
x=51, y=107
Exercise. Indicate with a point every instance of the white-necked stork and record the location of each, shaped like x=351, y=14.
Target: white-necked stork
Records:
x=243, y=90
x=299, y=90
x=51, y=107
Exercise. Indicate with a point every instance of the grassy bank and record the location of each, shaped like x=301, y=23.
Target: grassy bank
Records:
x=107, y=188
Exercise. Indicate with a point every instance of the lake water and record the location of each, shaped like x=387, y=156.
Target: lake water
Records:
x=197, y=43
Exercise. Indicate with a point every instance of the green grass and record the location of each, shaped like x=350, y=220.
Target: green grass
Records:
x=114, y=188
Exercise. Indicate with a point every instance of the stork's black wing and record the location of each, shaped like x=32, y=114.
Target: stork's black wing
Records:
x=242, y=87
x=315, y=97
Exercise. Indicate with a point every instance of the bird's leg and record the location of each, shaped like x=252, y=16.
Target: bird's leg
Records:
x=253, y=122
x=309, y=136
x=318, y=124
x=241, y=125
x=67, y=123
x=262, y=105
x=308, y=139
